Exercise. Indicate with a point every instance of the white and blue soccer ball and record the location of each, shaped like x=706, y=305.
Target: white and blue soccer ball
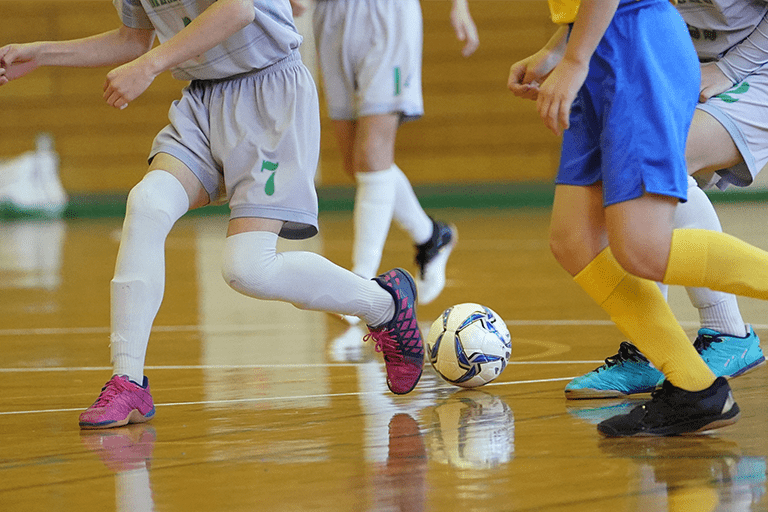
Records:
x=469, y=345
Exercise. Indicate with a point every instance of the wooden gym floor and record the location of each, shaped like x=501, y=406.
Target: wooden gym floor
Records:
x=261, y=406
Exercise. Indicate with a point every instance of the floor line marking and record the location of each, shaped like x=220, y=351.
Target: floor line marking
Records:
x=270, y=399
x=223, y=329
x=55, y=369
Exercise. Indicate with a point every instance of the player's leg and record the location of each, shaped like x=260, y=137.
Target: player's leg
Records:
x=718, y=310
x=252, y=265
x=578, y=211
x=368, y=148
x=309, y=281
x=639, y=221
x=709, y=146
x=154, y=205
x=383, y=193
x=691, y=397
x=578, y=240
x=374, y=199
x=728, y=346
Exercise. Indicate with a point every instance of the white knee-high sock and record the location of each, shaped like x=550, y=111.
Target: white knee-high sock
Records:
x=372, y=216
x=717, y=310
x=305, y=279
x=137, y=288
x=408, y=212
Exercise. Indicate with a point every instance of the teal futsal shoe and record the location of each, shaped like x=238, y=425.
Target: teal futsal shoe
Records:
x=629, y=372
x=729, y=356
x=626, y=373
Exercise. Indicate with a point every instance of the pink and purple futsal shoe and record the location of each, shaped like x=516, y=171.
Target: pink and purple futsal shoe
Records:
x=120, y=402
x=400, y=338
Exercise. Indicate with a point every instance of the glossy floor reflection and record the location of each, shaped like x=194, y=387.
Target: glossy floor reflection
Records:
x=261, y=406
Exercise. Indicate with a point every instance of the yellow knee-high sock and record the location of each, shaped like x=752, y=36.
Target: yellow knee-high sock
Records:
x=639, y=310
x=718, y=261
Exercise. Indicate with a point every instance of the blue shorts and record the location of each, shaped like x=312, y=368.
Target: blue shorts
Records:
x=630, y=120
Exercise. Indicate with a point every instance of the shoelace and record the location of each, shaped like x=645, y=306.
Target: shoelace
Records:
x=108, y=392
x=659, y=397
x=627, y=352
x=703, y=341
x=385, y=343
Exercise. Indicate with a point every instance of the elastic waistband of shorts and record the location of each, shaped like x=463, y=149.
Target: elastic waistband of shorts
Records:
x=634, y=4
x=283, y=63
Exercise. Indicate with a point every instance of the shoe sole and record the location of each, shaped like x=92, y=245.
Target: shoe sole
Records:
x=444, y=253
x=412, y=387
x=748, y=368
x=134, y=417
x=590, y=393
x=689, y=428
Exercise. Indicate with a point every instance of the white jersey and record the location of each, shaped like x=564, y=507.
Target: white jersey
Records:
x=271, y=36
x=732, y=32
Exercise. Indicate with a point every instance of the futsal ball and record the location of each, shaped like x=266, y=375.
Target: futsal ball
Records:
x=469, y=345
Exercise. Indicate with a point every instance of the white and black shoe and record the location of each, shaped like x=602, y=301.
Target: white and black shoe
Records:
x=432, y=257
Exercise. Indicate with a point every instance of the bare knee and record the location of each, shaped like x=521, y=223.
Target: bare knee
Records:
x=645, y=262
x=572, y=250
x=562, y=247
x=371, y=157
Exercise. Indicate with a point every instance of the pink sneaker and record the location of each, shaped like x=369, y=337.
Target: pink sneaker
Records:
x=400, y=338
x=120, y=402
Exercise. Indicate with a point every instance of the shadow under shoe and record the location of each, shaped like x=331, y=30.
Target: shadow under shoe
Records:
x=673, y=411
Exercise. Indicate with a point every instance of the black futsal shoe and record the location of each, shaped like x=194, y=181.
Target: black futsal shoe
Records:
x=673, y=411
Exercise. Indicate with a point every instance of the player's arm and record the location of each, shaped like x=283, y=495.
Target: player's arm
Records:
x=464, y=26
x=213, y=26
x=740, y=61
x=106, y=49
x=559, y=89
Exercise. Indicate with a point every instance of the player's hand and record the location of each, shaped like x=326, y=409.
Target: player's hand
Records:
x=522, y=81
x=465, y=28
x=16, y=60
x=713, y=82
x=557, y=93
x=526, y=75
x=298, y=7
x=127, y=82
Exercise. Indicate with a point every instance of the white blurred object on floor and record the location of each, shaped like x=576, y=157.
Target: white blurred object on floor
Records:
x=31, y=253
x=30, y=184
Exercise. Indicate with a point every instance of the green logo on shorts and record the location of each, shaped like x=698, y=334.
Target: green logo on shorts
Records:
x=739, y=89
x=269, y=188
x=398, y=88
